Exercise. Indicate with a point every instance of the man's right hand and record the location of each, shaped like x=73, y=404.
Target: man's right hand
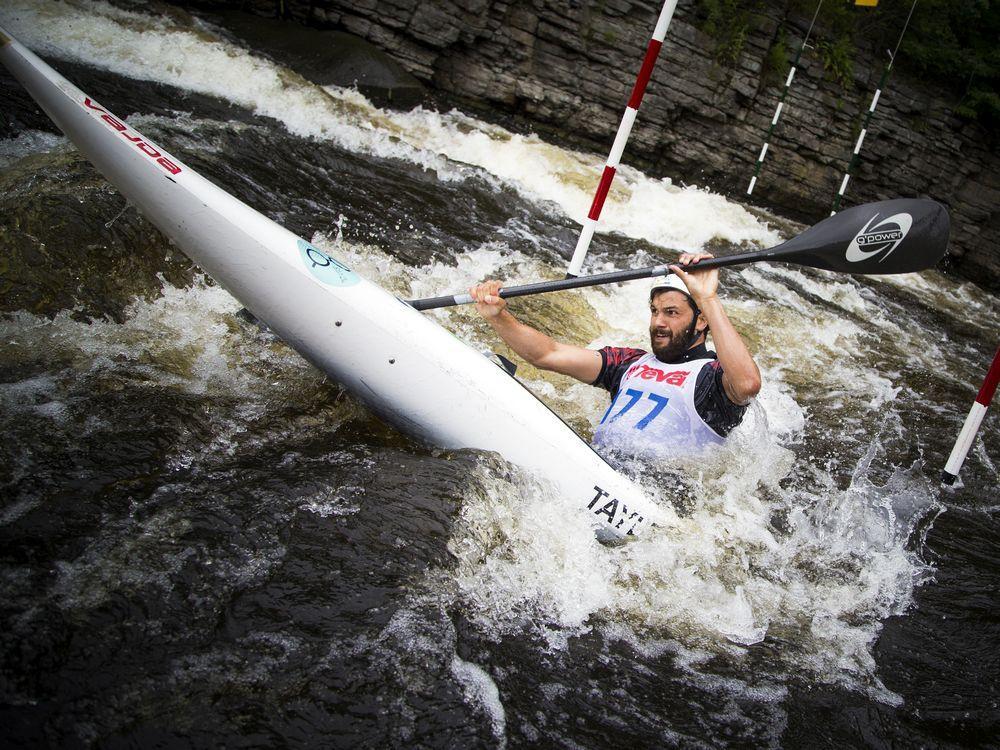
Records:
x=488, y=302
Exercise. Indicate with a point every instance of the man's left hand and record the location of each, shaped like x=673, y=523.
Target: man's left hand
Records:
x=702, y=284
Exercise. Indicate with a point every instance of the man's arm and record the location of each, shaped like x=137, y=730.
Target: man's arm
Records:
x=740, y=374
x=538, y=349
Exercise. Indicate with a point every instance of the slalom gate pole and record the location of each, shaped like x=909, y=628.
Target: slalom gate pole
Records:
x=972, y=423
x=621, y=137
x=781, y=103
x=868, y=116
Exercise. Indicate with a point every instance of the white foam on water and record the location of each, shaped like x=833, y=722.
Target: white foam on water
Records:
x=837, y=289
x=182, y=339
x=18, y=508
x=38, y=394
x=718, y=576
x=252, y=661
x=147, y=549
x=837, y=371
x=334, y=501
x=878, y=321
x=685, y=218
x=416, y=650
x=30, y=142
x=961, y=300
x=122, y=561
x=480, y=690
x=188, y=339
x=979, y=451
x=529, y=561
x=745, y=687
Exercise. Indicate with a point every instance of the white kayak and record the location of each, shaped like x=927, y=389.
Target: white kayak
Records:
x=403, y=366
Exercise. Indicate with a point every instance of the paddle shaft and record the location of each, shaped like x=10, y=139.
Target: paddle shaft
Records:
x=901, y=235
x=596, y=279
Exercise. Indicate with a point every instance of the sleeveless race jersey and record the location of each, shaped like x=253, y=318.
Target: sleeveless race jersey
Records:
x=653, y=413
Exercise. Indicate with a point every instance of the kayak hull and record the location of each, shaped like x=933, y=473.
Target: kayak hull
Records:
x=406, y=368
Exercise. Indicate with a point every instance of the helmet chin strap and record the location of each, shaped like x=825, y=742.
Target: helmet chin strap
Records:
x=693, y=334
x=694, y=331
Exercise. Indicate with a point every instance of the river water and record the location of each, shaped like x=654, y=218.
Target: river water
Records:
x=204, y=541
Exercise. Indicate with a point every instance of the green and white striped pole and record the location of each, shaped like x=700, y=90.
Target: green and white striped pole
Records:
x=868, y=116
x=781, y=104
x=861, y=139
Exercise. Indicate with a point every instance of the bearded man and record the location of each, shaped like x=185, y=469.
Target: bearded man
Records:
x=674, y=400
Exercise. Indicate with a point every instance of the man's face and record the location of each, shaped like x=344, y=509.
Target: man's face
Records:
x=670, y=318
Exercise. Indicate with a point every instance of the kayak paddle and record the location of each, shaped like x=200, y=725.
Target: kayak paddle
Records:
x=895, y=236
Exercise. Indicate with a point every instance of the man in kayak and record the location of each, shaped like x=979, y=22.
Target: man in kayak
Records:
x=674, y=400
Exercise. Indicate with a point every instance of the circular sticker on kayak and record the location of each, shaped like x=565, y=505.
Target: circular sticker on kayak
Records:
x=325, y=268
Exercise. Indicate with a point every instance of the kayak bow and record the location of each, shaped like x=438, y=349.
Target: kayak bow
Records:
x=402, y=365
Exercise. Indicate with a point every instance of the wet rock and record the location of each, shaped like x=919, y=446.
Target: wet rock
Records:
x=72, y=242
x=329, y=57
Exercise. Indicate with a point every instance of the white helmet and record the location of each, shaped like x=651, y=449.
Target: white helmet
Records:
x=668, y=282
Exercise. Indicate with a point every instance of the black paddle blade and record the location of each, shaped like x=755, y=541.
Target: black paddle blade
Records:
x=894, y=236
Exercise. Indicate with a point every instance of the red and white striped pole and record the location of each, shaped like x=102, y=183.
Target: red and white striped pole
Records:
x=972, y=422
x=624, y=129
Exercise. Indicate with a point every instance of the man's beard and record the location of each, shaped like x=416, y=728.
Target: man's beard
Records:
x=676, y=346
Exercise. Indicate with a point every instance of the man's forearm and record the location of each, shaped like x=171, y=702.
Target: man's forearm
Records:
x=736, y=360
x=530, y=344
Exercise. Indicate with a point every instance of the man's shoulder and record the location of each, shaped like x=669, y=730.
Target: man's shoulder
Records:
x=614, y=359
x=614, y=356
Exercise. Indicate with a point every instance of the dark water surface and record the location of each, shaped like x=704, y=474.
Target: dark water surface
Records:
x=205, y=542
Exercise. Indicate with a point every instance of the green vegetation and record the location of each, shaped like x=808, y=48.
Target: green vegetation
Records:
x=838, y=60
x=954, y=42
x=958, y=42
x=728, y=22
x=777, y=62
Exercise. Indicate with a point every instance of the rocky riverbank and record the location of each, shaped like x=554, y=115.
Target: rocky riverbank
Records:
x=565, y=69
